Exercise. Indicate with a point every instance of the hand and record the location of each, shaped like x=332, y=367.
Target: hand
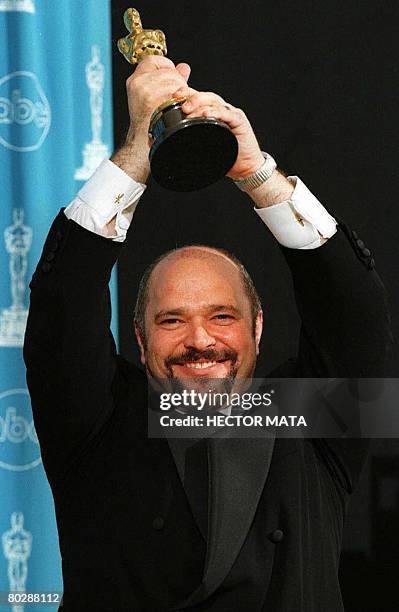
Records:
x=155, y=80
x=208, y=104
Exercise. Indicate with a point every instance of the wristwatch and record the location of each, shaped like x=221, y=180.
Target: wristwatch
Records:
x=260, y=176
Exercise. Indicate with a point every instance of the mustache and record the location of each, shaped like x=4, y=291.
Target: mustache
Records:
x=192, y=355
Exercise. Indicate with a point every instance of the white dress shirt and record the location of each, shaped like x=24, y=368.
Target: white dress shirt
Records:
x=301, y=222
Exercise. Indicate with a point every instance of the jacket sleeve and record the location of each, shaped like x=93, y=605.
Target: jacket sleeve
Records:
x=69, y=350
x=342, y=303
x=345, y=333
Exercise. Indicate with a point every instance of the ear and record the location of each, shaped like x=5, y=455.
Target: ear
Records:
x=140, y=342
x=258, y=330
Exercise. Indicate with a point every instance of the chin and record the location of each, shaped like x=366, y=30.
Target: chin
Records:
x=204, y=384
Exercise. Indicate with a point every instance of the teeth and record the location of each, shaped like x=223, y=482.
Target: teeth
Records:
x=199, y=366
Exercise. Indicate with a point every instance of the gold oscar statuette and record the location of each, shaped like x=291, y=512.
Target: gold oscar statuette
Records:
x=186, y=154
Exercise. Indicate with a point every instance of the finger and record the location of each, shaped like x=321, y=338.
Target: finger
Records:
x=152, y=63
x=184, y=70
x=157, y=81
x=230, y=115
x=202, y=98
x=184, y=92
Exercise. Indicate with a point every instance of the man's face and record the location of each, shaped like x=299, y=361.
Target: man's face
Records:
x=198, y=319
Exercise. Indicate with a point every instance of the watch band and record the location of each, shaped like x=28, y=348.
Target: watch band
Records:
x=260, y=176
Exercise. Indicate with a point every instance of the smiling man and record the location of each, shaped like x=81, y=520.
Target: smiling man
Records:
x=198, y=315
x=238, y=524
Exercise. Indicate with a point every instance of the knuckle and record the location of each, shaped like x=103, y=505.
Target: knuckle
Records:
x=158, y=61
x=168, y=77
x=214, y=96
x=176, y=82
x=165, y=61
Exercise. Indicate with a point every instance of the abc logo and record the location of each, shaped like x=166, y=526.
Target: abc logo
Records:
x=25, y=115
x=19, y=446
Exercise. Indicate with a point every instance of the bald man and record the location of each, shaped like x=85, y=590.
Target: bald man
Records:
x=149, y=524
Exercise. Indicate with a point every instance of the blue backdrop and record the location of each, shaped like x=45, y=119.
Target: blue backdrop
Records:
x=55, y=128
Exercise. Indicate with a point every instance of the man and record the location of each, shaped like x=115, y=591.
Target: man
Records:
x=142, y=525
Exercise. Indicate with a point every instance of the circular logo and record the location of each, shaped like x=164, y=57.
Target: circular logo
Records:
x=19, y=446
x=25, y=115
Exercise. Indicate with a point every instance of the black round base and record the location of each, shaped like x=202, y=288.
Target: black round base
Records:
x=193, y=154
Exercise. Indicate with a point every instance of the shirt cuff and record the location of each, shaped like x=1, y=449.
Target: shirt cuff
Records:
x=109, y=192
x=301, y=222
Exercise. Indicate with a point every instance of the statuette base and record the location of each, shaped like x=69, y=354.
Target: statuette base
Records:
x=190, y=154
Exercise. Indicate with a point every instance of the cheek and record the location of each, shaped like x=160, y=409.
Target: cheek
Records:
x=239, y=339
x=162, y=343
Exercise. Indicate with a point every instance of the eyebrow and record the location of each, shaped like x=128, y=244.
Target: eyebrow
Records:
x=176, y=312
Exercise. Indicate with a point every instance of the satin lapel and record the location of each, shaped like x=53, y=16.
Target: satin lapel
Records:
x=238, y=470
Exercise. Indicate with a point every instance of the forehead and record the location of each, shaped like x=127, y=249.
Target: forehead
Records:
x=195, y=275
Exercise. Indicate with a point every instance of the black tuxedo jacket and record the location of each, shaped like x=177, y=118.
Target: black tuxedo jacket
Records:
x=128, y=535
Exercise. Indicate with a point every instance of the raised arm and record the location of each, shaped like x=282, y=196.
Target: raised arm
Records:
x=69, y=350
x=342, y=303
x=345, y=324
x=340, y=298
x=343, y=306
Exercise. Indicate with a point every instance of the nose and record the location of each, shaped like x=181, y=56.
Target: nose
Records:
x=198, y=338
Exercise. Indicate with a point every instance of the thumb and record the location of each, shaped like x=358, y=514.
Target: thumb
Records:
x=184, y=70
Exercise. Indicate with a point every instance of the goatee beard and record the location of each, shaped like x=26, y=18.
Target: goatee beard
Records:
x=203, y=383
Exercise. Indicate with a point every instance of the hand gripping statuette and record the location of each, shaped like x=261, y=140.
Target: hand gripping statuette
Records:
x=186, y=154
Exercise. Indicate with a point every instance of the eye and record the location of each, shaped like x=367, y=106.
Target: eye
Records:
x=170, y=322
x=223, y=319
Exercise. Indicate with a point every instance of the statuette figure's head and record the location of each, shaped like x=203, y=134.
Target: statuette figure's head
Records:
x=139, y=43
